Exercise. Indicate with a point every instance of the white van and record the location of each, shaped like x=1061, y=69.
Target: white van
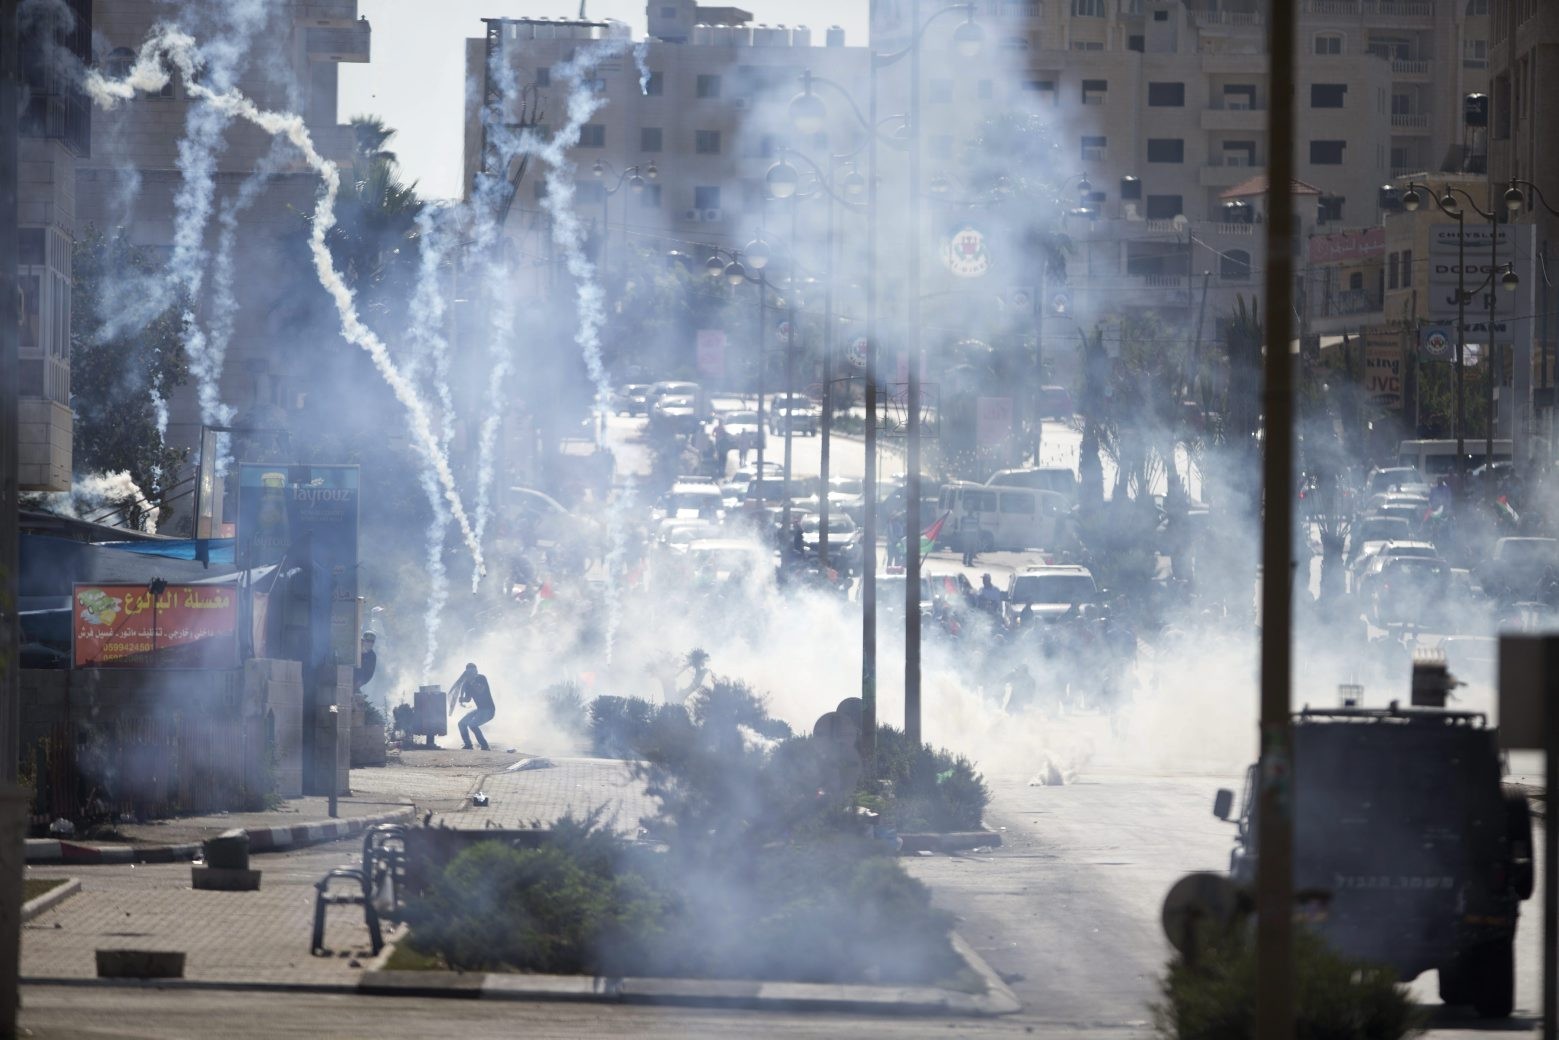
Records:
x=1007, y=517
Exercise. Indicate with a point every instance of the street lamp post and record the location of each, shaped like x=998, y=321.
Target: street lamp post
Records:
x=727, y=264
x=784, y=182
x=1515, y=201
x=1448, y=204
x=636, y=177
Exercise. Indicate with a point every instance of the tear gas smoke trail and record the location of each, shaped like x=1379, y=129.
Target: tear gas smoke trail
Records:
x=567, y=233
x=641, y=58
x=148, y=74
x=427, y=337
x=204, y=128
x=93, y=494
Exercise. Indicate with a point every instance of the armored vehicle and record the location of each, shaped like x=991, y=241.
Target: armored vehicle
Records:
x=1408, y=851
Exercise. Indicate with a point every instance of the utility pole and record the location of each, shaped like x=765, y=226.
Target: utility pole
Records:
x=912, y=442
x=13, y=800
x=1275, y=787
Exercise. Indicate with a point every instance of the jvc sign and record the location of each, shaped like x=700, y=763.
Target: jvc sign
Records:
x=1513, y=245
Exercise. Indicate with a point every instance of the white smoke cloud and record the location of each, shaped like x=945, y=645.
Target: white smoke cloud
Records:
x=149, y=74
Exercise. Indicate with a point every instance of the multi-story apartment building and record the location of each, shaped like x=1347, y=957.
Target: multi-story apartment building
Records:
x=132, y=178
x=711, y=117
x=55, y=129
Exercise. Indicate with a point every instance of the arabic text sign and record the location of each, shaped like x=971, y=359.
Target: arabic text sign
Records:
x=128, y=626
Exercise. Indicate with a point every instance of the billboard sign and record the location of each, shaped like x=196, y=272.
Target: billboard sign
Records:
x=280, y=504
x=1383, y=369
x=993, y=420
x=154, y=626
x=1451, y=268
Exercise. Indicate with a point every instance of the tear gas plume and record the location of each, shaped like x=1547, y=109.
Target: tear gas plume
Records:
x=568, y=234
x=149, y=74
x=641, y=60
x=106, y=498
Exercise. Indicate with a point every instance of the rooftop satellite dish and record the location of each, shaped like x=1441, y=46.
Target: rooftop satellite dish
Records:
x=1198, y=907
x=1180, y=223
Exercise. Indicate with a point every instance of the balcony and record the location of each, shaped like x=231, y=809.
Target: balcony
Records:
x=1229, y=19
x=1409, y=122
x=1411, y=10
x=1412, y=70
x=1238, y=119
x=1343, y=302
x=1225, y=228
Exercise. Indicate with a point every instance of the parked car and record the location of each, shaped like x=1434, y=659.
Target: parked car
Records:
x=1050, y=591
x=1410, y=590
x=1521, y=569
x=676, y=413
x=795, y=411
x=1373, y=531
x=844, y=540
x=1406, y=479
x=631, y=399
x=1055, y=402
x=1045, y=478
x=1007, y=517
x=1366, y=568
x=745, y=429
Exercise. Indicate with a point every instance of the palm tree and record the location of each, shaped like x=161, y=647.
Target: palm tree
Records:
x=376, y=212
x=370, y=135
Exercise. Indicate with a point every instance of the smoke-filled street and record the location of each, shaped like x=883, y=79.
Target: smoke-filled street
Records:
x=926, y=517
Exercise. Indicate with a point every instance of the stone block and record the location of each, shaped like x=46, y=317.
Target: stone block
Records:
x=219, y=879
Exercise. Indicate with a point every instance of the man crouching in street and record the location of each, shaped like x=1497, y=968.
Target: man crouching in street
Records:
x=471, y=688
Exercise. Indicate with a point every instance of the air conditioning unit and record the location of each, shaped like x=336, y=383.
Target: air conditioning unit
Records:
x=1236, y=103
x=692, y=215
x=711, y=215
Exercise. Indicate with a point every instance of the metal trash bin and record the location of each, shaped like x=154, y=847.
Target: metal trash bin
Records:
x=432, y=713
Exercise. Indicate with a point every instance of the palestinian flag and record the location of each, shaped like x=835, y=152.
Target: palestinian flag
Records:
x=1505, y=508
x=929, y=536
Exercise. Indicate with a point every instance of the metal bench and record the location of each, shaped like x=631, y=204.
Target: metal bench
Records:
x=375, y=885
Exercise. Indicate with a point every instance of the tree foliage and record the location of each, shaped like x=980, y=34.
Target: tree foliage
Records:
x=119, y=373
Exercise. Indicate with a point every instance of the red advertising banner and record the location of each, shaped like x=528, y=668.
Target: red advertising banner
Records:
x=130, y=626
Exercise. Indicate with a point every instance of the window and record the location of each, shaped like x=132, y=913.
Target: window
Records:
x=1328, y=95
x=1094, y=148
x=1234, y=266
x=1016, y=502
x=543, y=77
x=1477, y=8
x=1356, y=281
x=1087, y=45
x=1088, y=8
x=649, y=138
x=1045, y=89
x=706, y=197
x=1407, y=268
x=985, y=90
x=1164, y=207
x=1166, y=95
x=707, y=86
x=1239, y=96
x=1392, y=48
x=119, y=63
x=1135, y=42
x=649, y=196
x=1475, y=53
x=1166, y=150
x=1401, y=104
x=941, y=90
x=592, y=135
x=1328, y=209
x=668, y=11
x=1328, y=43
x=1391, y=270
x=1161, y=16
x=1326, y=153
x=655, y=86
x=706, y=142
x=1095, y=91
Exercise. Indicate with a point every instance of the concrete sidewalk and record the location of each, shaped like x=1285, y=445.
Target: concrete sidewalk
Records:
x=249, y=938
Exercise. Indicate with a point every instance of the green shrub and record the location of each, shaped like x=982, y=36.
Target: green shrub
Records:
x=572, y=906
x=734, y=703
x=1337, y=998
x=933, y=790
x=617, y=724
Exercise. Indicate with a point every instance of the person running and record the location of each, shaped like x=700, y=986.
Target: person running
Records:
x=472, y=688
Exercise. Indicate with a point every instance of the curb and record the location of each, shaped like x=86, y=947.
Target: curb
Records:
x=707, y=993
x=951, y=841
x=261, y=839
x=756, y=995
x=50, y=899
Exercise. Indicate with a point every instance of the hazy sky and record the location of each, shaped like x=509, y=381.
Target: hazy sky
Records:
x=416, y=79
